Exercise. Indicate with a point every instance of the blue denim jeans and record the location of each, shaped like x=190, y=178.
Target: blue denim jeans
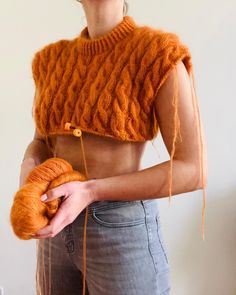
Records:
x=125, y=252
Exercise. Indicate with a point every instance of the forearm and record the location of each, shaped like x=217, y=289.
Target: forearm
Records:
x=36, y=153
x=149, y=183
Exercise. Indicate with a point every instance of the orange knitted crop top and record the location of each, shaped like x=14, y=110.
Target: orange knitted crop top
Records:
x=107, y=85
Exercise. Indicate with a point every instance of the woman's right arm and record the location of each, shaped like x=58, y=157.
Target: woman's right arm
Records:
x=36, y=153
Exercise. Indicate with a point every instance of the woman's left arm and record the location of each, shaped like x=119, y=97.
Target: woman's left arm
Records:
x=153, y=182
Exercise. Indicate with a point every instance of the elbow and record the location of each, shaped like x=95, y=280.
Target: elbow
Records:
x=191, y=175
x=200, y=177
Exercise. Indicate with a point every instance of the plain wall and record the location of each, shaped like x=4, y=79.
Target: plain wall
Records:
x=209, y=28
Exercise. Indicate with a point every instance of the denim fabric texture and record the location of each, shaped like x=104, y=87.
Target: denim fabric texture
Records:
x=125, y=252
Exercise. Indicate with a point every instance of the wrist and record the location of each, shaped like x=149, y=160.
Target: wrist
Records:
x=90, y=187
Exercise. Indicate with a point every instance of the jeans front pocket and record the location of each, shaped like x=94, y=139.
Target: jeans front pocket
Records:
x=120, y=216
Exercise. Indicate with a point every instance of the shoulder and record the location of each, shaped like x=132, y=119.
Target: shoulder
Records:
x=163, y=48
x=159, y=36
x=46, y=54
x=49, y=48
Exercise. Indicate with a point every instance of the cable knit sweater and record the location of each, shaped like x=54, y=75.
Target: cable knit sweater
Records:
x=106, y=85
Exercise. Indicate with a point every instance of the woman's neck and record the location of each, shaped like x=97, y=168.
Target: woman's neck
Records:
x=103, y=17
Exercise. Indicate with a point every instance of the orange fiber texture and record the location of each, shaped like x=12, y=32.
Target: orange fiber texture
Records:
x=28, y=213
x=105, y=85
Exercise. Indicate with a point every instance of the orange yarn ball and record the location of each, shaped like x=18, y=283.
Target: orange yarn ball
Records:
x=28, y=213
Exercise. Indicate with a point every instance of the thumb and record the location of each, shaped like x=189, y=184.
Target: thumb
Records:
x=54, y=193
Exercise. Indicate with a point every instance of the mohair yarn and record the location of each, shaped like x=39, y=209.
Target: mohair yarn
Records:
x=29, y=213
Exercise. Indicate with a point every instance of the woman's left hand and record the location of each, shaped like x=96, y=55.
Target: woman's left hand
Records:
x=76, y=197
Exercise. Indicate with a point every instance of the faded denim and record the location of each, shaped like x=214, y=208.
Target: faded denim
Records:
x=126, y=254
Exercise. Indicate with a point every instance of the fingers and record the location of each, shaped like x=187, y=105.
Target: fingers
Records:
x=57, y=223
x=72, y=204
x=59, y=191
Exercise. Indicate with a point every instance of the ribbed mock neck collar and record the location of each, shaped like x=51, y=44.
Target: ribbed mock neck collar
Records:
x=88, y=46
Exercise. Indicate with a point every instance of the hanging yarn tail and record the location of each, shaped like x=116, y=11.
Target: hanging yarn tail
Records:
x=202, y=151
x=177, y=136
x=199, y=137
x=86, y=219
x=78, y=133
x=176, y=132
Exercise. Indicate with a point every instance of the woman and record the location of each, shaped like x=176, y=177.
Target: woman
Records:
x=113, y=85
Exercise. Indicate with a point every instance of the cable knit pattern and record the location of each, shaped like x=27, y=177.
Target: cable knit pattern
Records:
x=108, y=85
x=105, y=85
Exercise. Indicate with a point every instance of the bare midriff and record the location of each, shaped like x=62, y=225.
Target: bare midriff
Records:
x=105, y=156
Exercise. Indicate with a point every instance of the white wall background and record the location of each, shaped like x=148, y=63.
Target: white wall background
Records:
x=209, y=28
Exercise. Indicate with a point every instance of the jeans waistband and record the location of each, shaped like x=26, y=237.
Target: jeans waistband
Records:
x=105, y=205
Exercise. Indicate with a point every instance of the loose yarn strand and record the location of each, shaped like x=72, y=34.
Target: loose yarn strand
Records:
x=43, y=272
x=49, y=266
x=86, y=220
x=201, y=150
x=43, y=262
x=176, y=131
x=39, y=277
x=84, y=233
x=37, y=272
